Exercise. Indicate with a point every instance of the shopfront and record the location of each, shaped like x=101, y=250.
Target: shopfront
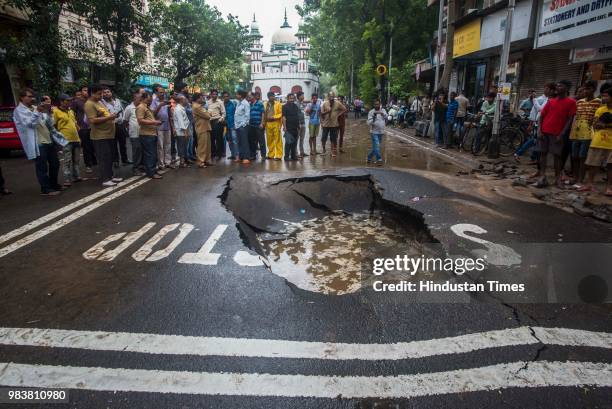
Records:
x=581, y=32
x=477, y=58
x=597, y=63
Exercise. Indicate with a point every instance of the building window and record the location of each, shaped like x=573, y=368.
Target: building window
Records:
x=82, y=37
x=140, y=53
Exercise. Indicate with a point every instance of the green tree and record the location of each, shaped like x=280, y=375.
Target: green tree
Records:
x=403, y=84
x=359, y=32
x=226, y=76
x=39, y=47
x=192, y=35
x=120, y=22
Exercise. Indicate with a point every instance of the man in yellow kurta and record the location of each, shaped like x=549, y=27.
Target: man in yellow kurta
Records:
x=273, y=112
x=203, y=129
x=600, y=150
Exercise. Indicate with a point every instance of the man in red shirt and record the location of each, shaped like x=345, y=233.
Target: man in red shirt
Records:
x=555, y=119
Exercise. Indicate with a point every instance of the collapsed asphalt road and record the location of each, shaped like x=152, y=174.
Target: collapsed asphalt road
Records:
x=313, y=231
x=158, y=297
x=321, y=233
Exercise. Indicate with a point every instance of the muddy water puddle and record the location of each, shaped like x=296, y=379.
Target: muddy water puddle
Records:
x=328, y=255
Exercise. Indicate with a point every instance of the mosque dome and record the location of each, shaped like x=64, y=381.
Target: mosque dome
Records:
x=283, y=36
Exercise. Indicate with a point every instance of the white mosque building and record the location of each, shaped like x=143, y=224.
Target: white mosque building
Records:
x=286, y=67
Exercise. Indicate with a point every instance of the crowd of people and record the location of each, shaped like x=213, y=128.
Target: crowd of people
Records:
x=180, y=129
x=561, y=126
x=169, y=130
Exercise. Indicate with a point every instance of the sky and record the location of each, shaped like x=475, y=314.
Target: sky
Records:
x=269, y=14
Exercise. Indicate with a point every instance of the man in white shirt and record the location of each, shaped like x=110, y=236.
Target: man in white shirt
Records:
x=181, y=127
x=534, y=116
x=33, y=127
x=241, y=122
x=416, y=105
x=463, y=104
x=377, y=119
x=131, y=122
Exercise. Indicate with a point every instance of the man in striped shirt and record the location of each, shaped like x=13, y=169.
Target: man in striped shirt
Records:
x=256, y=129
x=582, y=130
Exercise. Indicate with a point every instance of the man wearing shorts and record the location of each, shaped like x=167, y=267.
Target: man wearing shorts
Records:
x=600, y=151
x=555, y=119
x=582, y=130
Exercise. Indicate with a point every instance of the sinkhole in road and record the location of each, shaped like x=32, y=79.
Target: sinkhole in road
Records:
x=322, y=233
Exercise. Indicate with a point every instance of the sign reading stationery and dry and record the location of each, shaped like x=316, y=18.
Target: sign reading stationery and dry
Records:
x=565, y=20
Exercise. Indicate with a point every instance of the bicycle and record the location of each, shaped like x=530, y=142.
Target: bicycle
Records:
x=470, y=130
x=510, y=138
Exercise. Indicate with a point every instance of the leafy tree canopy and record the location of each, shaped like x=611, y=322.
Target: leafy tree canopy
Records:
x=192, y=35
x=358, y=32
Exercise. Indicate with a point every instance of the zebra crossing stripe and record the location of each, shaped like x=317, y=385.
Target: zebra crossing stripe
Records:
x=489, y=378
x=24, y=241
x=271, y=348
x=42, y=220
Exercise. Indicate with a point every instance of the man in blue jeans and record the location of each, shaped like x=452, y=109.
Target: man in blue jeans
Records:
x=241, y=123
x=451, y=112
x=257, y=138
x=537, y=106
x=34, y=129
x=377, y=121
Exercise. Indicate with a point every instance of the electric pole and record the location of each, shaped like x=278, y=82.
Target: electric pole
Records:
x=439, y=46
x=503, y=68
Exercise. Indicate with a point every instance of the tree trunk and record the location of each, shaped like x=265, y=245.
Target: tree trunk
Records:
x=117, y=52
x=450, y=33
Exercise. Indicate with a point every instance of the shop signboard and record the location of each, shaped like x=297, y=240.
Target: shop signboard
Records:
x=582, y=55
x=566, y=20
x=148, y=80
x=505, y=88
x=467, y=39
x=494, y=25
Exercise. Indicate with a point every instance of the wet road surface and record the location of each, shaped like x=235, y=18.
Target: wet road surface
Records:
x=253, y=284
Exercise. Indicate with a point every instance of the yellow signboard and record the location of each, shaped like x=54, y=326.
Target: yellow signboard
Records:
x=467, y=39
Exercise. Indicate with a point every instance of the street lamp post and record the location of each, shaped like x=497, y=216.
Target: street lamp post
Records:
x=352, y=73
x=439, y=44
x=390, y=61
x=503, y=67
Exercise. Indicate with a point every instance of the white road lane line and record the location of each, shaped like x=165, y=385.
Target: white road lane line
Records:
x=16, y=245
x=270, y=348
x=489, y=378
x=47, y=218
